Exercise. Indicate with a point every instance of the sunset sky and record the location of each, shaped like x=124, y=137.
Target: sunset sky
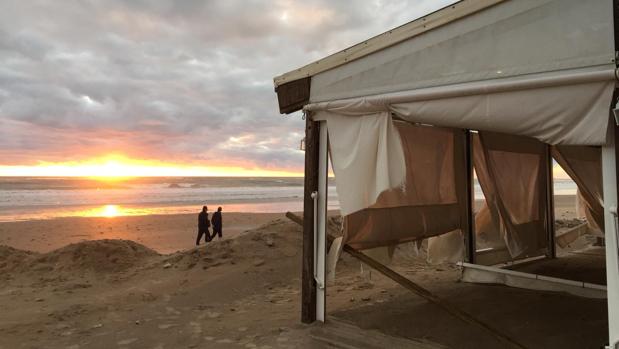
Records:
x=166, y=87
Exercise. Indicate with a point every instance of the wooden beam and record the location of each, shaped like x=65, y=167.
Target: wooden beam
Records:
x=293, y=95
x=417, y=289
x=308, y=284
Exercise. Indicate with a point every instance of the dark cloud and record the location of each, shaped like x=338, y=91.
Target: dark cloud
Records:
x=183, y=81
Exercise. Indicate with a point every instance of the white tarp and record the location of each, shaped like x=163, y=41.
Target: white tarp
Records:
x=568, y=108
x=513, y=38
x=367, y=157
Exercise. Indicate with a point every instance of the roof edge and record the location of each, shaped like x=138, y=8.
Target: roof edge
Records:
x=394, y=36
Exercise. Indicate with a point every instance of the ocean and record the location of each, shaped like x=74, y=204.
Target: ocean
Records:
x=26, y=198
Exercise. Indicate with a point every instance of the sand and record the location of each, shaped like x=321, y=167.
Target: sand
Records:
x=243, y=292
x=163, y=233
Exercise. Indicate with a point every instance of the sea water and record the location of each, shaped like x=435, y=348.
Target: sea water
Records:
x=25, y=198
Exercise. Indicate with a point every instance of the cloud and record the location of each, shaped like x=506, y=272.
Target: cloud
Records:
x=168, y=80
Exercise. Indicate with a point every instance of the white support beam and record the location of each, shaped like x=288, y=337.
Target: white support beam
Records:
x=609, y=174
x=492, y=275
x=321, y=224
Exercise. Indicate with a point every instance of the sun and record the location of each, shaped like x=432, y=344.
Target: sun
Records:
x=110, y=211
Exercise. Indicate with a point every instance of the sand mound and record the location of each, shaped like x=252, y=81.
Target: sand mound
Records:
x=214, y=254
x=276, y=239
x=106, y=258
x=100, y=256
x=12, y=259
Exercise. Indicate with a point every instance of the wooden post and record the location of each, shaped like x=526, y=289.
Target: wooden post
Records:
x=550, y=205
x=308, y=284
x=469, y=229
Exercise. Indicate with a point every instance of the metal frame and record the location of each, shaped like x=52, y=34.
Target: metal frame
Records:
x=492, y=275
x=320, y=228
x=609, y=176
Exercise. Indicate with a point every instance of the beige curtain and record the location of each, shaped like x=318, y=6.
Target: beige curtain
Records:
x=512, y=173
x=431, y=201
x=584, y=165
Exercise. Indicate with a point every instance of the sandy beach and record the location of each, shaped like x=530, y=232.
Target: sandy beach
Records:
x=147, y=286
x=162, y=233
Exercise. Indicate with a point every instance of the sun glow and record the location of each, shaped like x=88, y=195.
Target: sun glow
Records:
x=118, y=167
x=110, y=211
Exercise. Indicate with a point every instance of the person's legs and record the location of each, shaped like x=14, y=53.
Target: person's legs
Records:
x=207, y=236
x=219, y=232
x=200, y=233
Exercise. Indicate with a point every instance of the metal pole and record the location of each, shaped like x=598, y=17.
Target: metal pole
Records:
x=321, y=223
x=609, y=176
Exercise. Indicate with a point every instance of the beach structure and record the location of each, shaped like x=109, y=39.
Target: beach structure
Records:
x=499, y=87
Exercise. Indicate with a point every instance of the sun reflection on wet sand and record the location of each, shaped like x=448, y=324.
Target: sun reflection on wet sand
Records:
x=110, y=211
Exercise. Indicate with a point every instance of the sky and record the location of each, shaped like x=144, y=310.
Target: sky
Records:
x=183, y=86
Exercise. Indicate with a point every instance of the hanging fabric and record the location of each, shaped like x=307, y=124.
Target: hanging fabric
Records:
x=512, y=173
x=584, y=166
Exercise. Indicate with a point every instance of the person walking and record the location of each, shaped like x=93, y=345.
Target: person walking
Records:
x=203, y=225
x=217, y=223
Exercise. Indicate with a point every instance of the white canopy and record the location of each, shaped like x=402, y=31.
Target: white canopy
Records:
x=542, y=69
x=512, y=38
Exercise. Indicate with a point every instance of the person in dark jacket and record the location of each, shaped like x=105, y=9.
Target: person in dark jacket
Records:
x=203, y=225
x=217, y=223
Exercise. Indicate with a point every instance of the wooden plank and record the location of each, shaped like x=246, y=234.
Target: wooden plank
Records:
x=308, y=284
x=420, y=291
x=293, y=95
x=340, y=334
x=392, y=37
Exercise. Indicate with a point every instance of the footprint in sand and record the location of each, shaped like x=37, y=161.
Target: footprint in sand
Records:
x=126, y=341
x=166, y=326
x=196, y=328
x=213, y=315
x=171, y=310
